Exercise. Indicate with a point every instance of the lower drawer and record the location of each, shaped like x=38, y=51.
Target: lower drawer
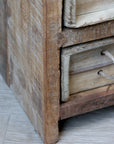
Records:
x=87, y=66
x=90, y=79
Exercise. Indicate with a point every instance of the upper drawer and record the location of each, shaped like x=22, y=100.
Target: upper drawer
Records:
x=79, y=13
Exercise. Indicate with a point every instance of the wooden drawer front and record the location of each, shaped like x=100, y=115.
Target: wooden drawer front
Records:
x=89, y=80
x=81, y=64
x=90, y=59
x=80, y=13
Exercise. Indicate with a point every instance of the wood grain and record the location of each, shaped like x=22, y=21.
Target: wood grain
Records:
x=35, y=38
x=82, y=58
x=70, y=12
x=90, y=79
x=90, y=59
x=52, y=70
x=86, y=34
x=79, y=13
x=25, y=49
x=34, y=59
x=87, y=101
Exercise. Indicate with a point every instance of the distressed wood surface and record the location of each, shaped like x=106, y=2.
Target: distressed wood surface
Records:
x=88, y=101
x=52, y=69
x=95, y=32
x=34, y=40
x=3, y=39
x=90, y=79
x=90, y=59
x=84, y=47
x=65, y=66
x=25, y=49
x=33, y=28
x=69, y=12
x=79, y=13
x=83, y=58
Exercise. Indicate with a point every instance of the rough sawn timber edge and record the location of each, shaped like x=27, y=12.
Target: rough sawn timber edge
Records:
x=52, y=70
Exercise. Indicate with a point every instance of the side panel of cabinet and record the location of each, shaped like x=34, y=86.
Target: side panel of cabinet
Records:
x=25, y=57
x=34, y=60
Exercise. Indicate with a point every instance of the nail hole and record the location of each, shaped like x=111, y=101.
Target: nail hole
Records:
x=100, y=72
x=102, y=53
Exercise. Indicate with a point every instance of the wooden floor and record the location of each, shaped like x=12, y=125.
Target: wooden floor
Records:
x=15, y=128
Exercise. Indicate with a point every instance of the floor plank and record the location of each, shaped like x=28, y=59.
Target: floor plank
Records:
x=93, y=128
x=3, y=126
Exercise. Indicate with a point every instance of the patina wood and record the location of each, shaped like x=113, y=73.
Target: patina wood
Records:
x=25, y=48
x=91, y=59
x=81, y=63
x=33, y=28
x=87, y=101
x=90, y=79
x=81, y=35
x=52, y=69
x=79, y=13
x=35, y=39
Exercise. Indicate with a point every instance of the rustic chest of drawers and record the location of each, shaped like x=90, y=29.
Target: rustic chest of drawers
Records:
x=60, y=57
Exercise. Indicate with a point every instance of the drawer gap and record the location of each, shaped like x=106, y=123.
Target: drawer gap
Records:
x=89, y=68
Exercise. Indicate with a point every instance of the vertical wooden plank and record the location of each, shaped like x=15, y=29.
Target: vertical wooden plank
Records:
x=25, y=48
x=3, y=39
x=52, y=70
x=65, y=66
x=70, y=12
